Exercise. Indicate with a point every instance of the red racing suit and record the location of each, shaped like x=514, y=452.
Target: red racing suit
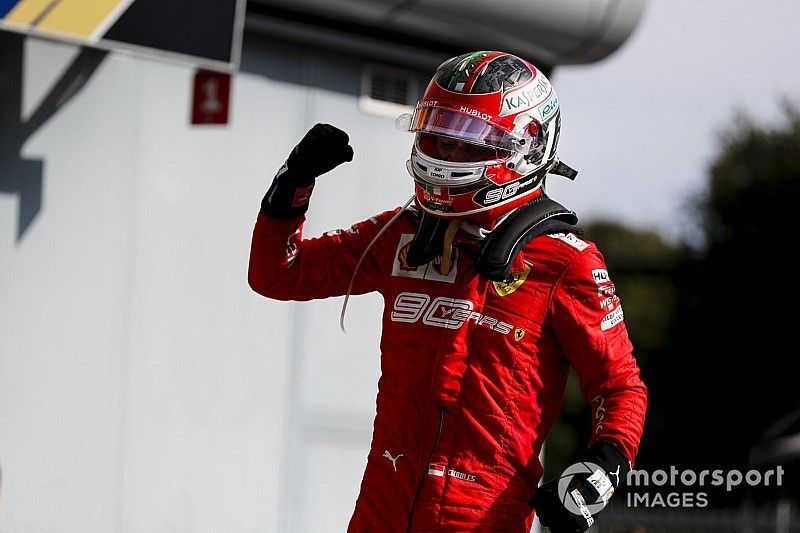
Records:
x=473, y=372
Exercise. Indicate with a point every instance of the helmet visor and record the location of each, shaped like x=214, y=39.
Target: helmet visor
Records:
x=458, y=151
x=441, y=121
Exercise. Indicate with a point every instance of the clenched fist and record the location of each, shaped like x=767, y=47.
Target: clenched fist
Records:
x=323, y=148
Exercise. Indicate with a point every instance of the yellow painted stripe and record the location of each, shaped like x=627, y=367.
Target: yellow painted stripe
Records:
x=26, y=11
x=78, y=18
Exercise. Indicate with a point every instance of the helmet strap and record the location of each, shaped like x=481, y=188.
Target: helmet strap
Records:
x=433, y=242
x=427, y=242
x=562, y=169
x=445, y=260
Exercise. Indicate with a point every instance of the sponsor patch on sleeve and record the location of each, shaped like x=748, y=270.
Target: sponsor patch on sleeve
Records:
x=612, y=319
x=605, y=288
x=353, y=230
x=571, y=239
x=291, y=247
x=600, y=276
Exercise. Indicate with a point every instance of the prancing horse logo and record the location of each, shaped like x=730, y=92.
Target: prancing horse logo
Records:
x=392, y=459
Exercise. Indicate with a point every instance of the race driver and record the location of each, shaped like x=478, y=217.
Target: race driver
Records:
x=490, y=296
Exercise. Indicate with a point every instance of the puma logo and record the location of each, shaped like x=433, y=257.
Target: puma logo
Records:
x=392, y=459
x=615, y=474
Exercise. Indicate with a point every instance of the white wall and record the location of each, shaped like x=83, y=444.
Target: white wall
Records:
x=143, y=386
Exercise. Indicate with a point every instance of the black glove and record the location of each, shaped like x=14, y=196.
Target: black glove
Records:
x=570, y=503
x=322, y=149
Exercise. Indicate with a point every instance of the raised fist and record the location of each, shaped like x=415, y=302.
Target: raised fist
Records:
x=322, y=149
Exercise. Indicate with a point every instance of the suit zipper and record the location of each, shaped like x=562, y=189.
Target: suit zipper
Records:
x=425, y=472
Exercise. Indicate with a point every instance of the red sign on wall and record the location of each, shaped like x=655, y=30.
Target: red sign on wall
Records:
x=211, y=99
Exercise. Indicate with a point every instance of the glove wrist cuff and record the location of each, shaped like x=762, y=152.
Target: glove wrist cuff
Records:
x=288, y=196
x=610, y=458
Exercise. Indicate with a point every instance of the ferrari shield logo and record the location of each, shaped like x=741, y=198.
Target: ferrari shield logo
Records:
x=518, y=278
x=518, y=334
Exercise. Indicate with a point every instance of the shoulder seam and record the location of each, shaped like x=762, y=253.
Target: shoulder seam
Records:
x=577, y=253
